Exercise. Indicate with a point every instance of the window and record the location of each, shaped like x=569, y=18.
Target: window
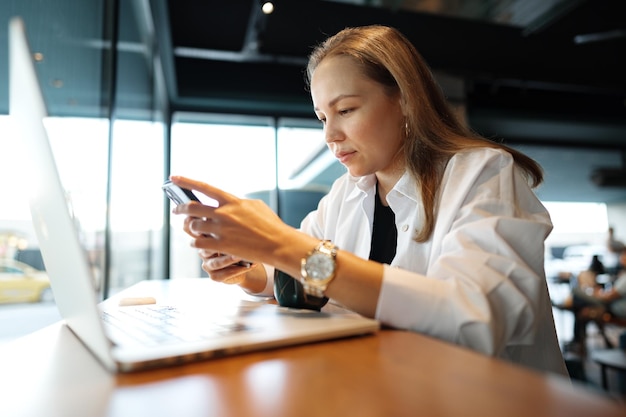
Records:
x=136, y=206
x=80, y=150
x=80, y=147
x=572, y=242
x=289, y=167
x=232, y=153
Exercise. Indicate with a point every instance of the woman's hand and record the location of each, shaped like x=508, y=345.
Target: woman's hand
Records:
x=239, y=229
x=245, y=229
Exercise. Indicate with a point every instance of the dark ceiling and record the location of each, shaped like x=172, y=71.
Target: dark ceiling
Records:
x=542, y=58
x=548, y=75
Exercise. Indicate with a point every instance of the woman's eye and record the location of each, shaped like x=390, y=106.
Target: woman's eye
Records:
x=344, y=111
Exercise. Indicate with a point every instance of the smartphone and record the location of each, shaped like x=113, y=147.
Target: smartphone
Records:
x=180, y=195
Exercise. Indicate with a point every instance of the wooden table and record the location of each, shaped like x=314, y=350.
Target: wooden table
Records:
x=392, y=373
x=609, y=358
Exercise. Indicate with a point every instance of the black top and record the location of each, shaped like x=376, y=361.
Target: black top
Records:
x=385, y=234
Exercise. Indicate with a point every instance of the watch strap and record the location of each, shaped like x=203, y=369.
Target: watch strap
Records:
x=314, y=290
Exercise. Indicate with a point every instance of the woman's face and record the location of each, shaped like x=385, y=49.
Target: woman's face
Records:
x=363, y=125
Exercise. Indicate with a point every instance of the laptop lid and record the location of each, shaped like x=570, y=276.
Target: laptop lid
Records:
x=65, y=259
x=71, y=277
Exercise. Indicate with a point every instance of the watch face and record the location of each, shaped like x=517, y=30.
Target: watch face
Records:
x=319, y=266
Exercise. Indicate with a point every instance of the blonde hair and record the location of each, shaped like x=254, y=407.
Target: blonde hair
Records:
x=434, y=133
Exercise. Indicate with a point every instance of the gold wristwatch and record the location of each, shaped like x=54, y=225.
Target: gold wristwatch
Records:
x=318, y=268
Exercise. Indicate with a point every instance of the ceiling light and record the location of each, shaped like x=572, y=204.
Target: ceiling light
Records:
x=600, y=36
x=268, y=7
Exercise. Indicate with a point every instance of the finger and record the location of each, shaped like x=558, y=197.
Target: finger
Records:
x=187, y=225
x=190, y=226
x=219, y=261
x=230, y=275
x=217, y=194
x=207, y=253
x=201, y=227
x=206, y=241
x=194, y=211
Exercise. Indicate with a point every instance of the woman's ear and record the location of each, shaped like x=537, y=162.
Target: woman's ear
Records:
x=403, y=106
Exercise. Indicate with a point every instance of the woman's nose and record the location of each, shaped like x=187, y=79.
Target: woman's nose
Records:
x=331, y=133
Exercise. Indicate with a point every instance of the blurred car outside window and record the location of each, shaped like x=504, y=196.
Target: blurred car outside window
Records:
x=21, y=283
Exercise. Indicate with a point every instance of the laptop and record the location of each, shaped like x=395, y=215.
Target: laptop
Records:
x=203, y=330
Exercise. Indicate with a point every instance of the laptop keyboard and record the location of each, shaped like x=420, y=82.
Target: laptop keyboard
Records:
x=154, y=325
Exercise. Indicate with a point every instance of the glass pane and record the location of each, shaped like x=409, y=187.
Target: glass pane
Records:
x=136, y=217
x=306, y=169
x=239, y=158
x=15, y=228
x=80, y=147
x=80, y=150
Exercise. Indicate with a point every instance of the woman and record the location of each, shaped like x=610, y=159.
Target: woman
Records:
x=592, y=302
x=433, y=228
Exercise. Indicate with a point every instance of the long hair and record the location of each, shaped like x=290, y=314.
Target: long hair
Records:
x=433, y=132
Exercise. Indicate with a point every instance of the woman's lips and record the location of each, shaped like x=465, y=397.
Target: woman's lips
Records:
x=343, y=157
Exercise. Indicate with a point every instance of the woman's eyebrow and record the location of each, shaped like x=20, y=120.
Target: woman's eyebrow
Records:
x=336, y=99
